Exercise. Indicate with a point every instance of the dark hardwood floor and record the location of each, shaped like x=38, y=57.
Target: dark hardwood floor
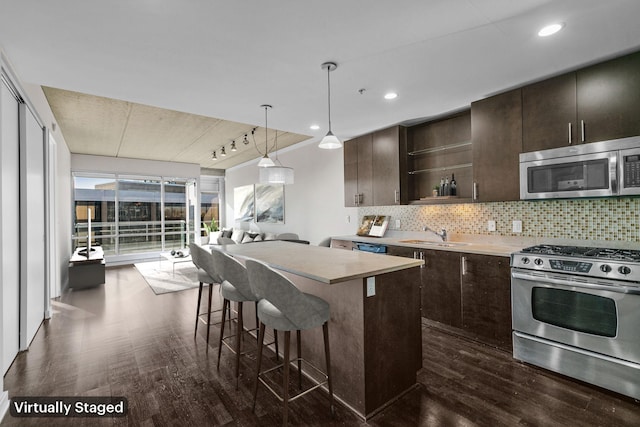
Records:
x=121, y=339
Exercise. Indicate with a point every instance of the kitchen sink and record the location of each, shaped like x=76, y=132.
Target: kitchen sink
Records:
x=431, y=243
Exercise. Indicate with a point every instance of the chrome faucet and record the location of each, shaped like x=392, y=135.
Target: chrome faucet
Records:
x=442, y=234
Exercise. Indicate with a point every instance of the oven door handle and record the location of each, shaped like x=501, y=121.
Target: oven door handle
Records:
x=621, y=289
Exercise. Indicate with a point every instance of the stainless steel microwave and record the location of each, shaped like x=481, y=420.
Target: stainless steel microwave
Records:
x=599, y=169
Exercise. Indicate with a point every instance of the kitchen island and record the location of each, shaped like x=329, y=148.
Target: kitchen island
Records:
x=374, y=329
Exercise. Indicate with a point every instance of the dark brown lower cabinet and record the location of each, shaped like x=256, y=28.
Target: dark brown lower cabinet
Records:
x=486, y=299
x=441, y=297
x=470, y=293
x=439, y=283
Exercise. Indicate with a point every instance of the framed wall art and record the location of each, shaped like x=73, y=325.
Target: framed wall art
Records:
x=269, y=203
x=243, y=203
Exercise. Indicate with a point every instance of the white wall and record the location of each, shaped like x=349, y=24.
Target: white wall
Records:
x=34, y=96
x=63, y=181
x=87, y=163
x=314, y=204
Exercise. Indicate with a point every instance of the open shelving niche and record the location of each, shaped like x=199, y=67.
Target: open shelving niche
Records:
x=439, y=170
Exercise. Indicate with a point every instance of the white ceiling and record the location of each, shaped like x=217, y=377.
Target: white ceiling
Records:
x=223, y=59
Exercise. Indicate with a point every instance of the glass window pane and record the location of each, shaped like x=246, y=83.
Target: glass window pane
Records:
x=96, y=194
x=175, y=214
x=139, y=215
x=577, y=311
x=209, y=207
x=127, y=212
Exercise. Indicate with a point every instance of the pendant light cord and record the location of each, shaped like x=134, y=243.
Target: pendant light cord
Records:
x=329, y=93
x=266, y=141
x=266, y=127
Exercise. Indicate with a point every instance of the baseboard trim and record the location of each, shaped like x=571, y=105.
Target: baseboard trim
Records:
x=4, y=404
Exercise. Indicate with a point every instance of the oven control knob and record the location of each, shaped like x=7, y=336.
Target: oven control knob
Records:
x=624, y=270
x=537, y=261
x=525, y=260
x=605, y=268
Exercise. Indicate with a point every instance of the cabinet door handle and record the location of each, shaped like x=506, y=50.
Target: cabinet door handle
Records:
x=570, y=136
x=422, y=258
x=355, y=199
x=475, y=191
x=396, y=197
x=463, y=265
x=582, y=129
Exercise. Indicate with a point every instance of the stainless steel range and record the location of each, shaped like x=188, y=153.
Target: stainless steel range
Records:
x=576, y=311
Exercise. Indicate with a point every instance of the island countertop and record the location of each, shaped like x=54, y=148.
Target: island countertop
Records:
x=320, y=263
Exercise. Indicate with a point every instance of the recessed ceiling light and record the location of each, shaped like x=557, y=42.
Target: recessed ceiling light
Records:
x=314, y=127
x=550, y=29
x=391, y=95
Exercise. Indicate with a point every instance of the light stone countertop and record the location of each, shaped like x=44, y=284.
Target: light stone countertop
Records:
x=457, y=243
x=323, y=264
x=480, y=243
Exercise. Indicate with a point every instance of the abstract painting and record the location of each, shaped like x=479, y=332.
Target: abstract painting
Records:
x=243, y=203
x=269, y=201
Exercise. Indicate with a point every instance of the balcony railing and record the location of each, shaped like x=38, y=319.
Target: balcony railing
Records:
x=133, y=236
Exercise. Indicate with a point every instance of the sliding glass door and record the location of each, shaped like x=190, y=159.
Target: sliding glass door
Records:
x=139, y=214
x=95, y=195
x=153, y=213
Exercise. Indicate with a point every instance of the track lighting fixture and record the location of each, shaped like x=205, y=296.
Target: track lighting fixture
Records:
x=213, y=155
x=245, y=141
x=233, y=146
x=223, y=152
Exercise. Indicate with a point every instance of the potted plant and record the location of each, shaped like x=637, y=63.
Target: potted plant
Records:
x=212, y=226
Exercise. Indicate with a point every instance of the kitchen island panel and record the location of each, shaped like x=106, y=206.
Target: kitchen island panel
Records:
x=375, y=341
x=392, y=328
x=346, y=338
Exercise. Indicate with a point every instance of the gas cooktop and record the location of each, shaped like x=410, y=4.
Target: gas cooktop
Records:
x=629, y=255
x=621, y=264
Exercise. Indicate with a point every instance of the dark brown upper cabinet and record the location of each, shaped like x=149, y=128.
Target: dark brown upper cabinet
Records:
x=375, y=168
x=597, y=103
x=549, y=113
x=609, y=99
x=496, y=134
x=358, y=171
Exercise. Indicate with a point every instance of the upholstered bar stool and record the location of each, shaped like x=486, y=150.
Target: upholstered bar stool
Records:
x=234, y=287
x=206, y=274
x=284, y=307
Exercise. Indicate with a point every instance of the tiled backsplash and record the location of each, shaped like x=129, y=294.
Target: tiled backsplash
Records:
x=614, y=219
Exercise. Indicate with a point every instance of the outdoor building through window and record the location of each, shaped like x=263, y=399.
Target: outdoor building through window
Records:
x=154, y=214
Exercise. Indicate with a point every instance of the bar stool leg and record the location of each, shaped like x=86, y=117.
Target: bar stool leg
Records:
x=325, y=332
x=209, y=313
x=285, y=382
x=195, y=333
x=299, y=342
x=275, y=333
x=257, y=322
x=225, y=305
x=238, y=339
x=260, y=343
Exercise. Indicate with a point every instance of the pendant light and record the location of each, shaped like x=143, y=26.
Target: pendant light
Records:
x=330, y=141
x=275, y=173
x=265, y=161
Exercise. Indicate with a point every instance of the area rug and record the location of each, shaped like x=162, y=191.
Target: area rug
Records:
x=162, y=279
